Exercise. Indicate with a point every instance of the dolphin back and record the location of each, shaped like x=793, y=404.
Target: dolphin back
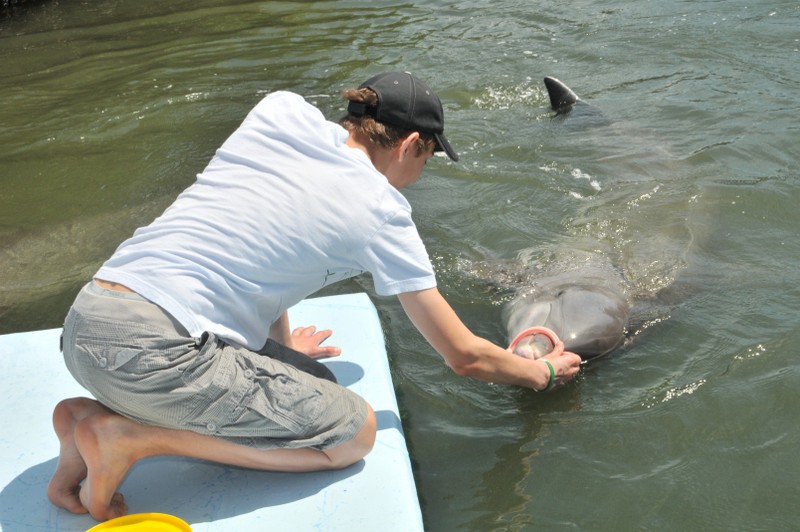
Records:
x=572, y=109
x=562, y=98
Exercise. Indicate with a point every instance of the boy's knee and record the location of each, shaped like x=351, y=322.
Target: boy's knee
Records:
x=368, y=431
x=354, y=450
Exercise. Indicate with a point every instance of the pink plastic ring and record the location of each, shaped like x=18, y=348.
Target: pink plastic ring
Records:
x=533, y=330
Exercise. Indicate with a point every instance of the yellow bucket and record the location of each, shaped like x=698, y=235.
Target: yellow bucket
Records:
x=150, y=522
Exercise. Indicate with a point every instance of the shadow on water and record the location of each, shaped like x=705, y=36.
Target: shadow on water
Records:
x=516, y=460
x=18, y=8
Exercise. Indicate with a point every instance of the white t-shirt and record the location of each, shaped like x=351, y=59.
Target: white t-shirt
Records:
x=283, y=209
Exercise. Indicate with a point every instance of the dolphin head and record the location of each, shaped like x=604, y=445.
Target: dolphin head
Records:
x=590, y=319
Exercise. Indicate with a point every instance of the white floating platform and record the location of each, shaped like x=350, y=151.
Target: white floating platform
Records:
x=377, y=493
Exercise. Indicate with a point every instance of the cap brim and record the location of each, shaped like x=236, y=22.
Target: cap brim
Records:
x=443, y=145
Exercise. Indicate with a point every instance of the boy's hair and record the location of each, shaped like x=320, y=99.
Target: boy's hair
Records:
x=378, y=133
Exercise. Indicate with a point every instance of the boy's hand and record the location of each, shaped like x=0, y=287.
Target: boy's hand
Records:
x=307, y=340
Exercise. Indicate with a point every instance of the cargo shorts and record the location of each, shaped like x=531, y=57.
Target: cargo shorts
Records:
x=138, y=361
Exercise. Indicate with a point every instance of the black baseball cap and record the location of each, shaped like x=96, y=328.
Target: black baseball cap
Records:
x=408, y=103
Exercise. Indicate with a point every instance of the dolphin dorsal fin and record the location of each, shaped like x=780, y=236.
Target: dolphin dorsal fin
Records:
x=561, y=96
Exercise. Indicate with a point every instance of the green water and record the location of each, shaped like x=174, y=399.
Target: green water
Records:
x=110, y=108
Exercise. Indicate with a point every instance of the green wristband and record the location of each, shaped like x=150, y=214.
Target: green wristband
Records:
x=552, y=380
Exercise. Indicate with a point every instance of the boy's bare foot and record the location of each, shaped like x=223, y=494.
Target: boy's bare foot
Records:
x=71, y=469
x=106, y=443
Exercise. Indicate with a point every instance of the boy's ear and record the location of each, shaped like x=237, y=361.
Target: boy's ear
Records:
x=406, y=144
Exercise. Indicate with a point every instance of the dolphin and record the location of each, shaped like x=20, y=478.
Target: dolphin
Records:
x=586, y=307
x=583, y=298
